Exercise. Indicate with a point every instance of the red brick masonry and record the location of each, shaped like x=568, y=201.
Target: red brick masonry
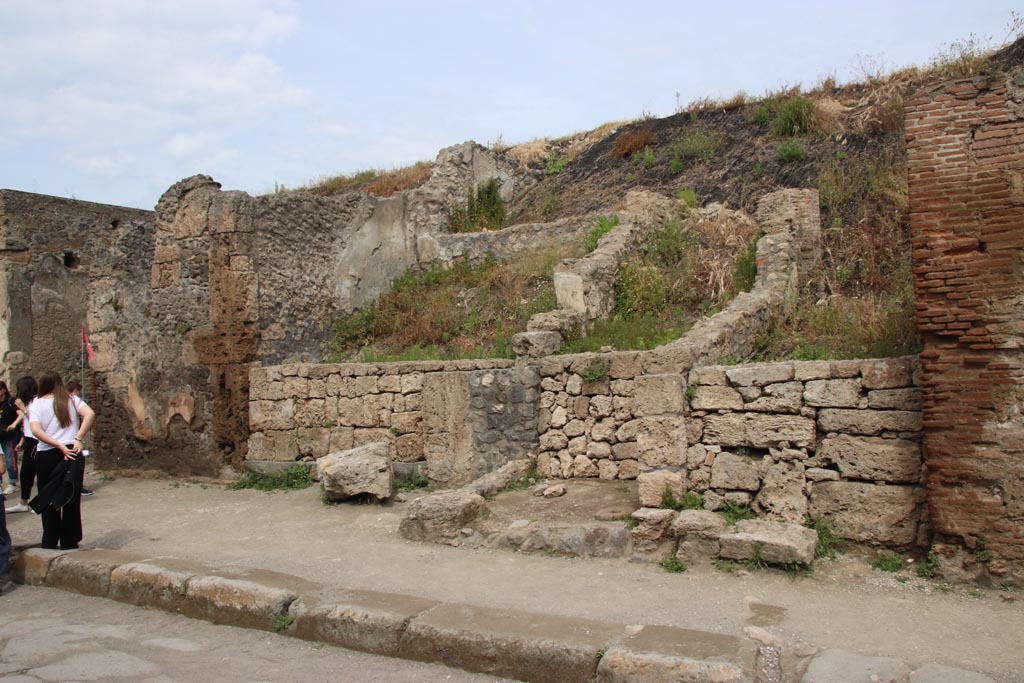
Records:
x=965, y=159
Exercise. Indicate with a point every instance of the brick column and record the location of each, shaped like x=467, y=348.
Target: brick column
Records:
x=965, y=160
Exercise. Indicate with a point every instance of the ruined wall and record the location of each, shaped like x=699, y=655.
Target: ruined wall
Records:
x=53, y=252
x=965, y=160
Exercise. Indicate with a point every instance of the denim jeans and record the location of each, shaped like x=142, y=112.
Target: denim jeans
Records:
x=10, y=457
x=5, y=537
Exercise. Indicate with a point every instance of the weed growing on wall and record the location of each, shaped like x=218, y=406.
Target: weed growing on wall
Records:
x=484, y=210
x=603, y=227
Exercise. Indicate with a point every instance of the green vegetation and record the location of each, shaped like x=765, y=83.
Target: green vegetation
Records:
x=727, y=566
x=736, y=512
x=631, y=521
x=555, y=164
x=691, y=500
x=603, y=227
x=293, y=478
x=597, y=370
x=699, y=145
x=789, y=151
x=645, y=332
x=525, y=480
x=484, y=210
x=887, y=562
x=283, y=621
x=756, y=563
x=795, y=116
x=929, y=567
x=644, y=156
x=673, y=564
x=466, y=311
x=691, y=391
x=414, y=481
x=795, y=570
x=687, y=196
x=382, y=183
x=828, y=543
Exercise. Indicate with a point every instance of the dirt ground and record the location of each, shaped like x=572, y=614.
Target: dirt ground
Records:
x=844, y=604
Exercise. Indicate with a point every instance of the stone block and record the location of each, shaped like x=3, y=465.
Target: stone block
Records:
x=867, y=513
x=629, y=469
x=782, y=496
x=731, y=471
x=659, y=395
x=87, y=571
x=698, y=523
x=409, y=448
x=868, y=422
x=358, y=620
x=247, y=600
x=652, y=486
x=664, y=654
x=536, y=344
x=759, y=374
x=653, y=527
x=775, y=542
x=273, y=445
x=33, y=564
x=712, y=375
x=440, y=517
x=716, y=398
x=661, y=441
x=582, y=466
x=271, y=415
x=362, y=470
x=782, y=397
x=161, y=583
x=833, y=393
x=895, y=461
x=510, y=644
x=895, y=399
x=624, y=451
x=821, y=474
x=811, y=369
x=758, y=430
x=891, y=373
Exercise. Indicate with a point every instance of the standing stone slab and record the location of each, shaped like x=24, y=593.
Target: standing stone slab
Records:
x=663, y=654
x=886, y=515
x=87, y=571
x=896, y=461
x=520, y=645
x=33, y=565
x=362, y=470
x=159, y=582
x=782, y=496
x=775, y=542
x=250, y=599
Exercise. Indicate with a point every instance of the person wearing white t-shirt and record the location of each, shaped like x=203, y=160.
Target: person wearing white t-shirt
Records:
x=59, y=422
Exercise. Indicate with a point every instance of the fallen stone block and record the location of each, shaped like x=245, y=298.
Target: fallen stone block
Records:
x=520, y=645
x=829, y=666
x=697, y=531
x=493, y=482
x=773, y=542
x=440, y=517
x=362, y=470
x=662, y=654
x=87, y=571
x=367, y=621
x=582, y=540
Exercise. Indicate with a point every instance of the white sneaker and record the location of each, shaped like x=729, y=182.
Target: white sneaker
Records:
x=20, y=507
x=10, y=489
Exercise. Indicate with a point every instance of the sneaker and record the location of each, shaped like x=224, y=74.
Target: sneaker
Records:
x=87, y=492
x=20, y=507
x=10, y=489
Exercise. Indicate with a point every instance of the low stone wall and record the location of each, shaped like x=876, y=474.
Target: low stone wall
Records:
x=841, y=439
x=446, y=248
x=461, y=419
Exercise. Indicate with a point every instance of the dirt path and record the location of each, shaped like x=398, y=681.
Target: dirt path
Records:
x=844, y=604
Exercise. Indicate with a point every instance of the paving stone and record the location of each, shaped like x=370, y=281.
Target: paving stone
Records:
x=251, y=599
x=936, y=673
x=663, y=654
x=832, y=666
x=87, y=571
x=159, y=582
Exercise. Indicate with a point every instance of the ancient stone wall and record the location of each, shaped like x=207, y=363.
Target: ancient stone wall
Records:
x=965, y=161
x=53, y=252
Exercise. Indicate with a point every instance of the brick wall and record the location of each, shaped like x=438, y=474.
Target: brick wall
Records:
x=965, y=160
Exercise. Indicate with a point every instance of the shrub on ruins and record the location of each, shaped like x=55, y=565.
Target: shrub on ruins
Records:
x=294, y=478
x=484, y=210
x=629, y=142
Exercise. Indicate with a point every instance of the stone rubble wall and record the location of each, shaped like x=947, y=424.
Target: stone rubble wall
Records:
x=965, y=165
x=840, y=439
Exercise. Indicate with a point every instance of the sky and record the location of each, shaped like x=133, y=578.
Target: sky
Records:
x=113, y=101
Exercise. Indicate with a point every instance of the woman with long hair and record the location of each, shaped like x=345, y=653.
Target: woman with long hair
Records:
x=25, y=392
x=9, y=437
x=59, y=422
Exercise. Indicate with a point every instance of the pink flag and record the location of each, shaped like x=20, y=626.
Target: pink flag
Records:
x=88, y=347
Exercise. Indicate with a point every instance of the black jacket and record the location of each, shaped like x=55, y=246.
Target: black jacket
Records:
x=61, y=487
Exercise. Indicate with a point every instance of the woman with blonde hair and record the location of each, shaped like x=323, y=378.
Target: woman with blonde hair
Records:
x=59, y=421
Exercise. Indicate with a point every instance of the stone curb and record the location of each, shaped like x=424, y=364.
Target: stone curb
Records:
x=520, y=645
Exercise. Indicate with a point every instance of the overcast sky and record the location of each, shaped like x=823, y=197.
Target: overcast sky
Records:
x=114, y=100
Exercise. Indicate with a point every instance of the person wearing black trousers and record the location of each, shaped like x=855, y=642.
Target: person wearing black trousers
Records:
x=25, y=393
x=60, y=422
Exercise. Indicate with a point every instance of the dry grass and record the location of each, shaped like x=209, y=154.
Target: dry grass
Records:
x=374, y=181
x=629, y=142
x=703, y=104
